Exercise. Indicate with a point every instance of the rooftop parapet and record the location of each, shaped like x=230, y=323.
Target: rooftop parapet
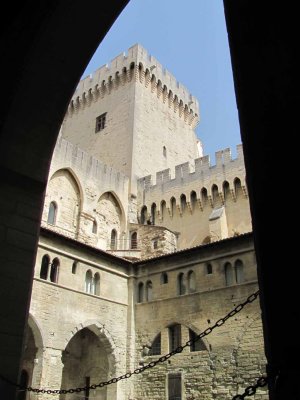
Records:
x=185, y=173
x=147, y=64
x=67, y=155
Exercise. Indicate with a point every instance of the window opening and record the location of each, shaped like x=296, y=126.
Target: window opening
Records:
x=44, y=267
x=164, y=278
x=113, y=240
x=54, y=270
x=196, y=345
x=52, y=213
x=140, y=292
x=156, y=346
x=174, y=336
x=133, y=240
x=100, y=122
x=209, y=269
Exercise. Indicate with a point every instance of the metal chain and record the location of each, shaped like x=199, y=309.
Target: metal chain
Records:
x=152, y=364
x=251, y=390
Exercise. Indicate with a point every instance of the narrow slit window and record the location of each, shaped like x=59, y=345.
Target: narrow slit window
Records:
x=52, y=213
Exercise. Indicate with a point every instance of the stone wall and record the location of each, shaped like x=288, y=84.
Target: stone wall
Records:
x=73, y=321
x=232, y=356
x=91, y=197
x=149, y=116
x=73, y=325
x=154, y=240
x=185, y=201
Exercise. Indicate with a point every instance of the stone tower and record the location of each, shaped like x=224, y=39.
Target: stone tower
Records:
x=134, y=116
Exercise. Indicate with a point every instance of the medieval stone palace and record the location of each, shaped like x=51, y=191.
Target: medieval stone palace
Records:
x=143, y=245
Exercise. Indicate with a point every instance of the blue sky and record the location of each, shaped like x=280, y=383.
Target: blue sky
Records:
x=190, y=40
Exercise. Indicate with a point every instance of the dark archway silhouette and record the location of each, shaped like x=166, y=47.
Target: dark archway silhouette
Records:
x=263, y=40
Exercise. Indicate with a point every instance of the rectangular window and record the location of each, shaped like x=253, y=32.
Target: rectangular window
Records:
x=100, y=122
x=174, y=337
x=174, y=387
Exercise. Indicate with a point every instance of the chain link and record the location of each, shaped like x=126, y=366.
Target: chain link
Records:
x=251, y=390
x=152, y=364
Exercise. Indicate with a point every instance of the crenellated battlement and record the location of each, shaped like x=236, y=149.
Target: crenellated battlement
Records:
x=140, y=66
x=201, y=174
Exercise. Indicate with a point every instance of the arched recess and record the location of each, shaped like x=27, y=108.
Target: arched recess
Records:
x=32, y=360
x=110, y=215
x=144, y=215
x=197, y=345
x=204, y=195
x=153, y=213
x=65, y=189
x=85, y=355
x=228, y=270
x=237, y=187
x=173, y=206
x=226, y=191
x=91, y=351
x=133, y=240
x=163, y=207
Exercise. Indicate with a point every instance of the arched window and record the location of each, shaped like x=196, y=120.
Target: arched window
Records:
x=209, y=269
x=214, y=193
x=133, y=240
x=54, y=270
x=149, y=291
x=237, y=187
x=44, y=267
x=113, y=240
x=164, y=278
x=96, y=284
x=74, y=267
x=228, y=274
x=173, y=206
x=174, y=336
x=180, y=284
x=193, y=200
x=226, y=190
x=140, y=294
x=197, y=344
x=191, y=281
x=239, y=271
x=153, y=213
x=24, y=381
x=88, y=281
x=144, y=215
x=52, y=213
x=156, y=346
x=94, y=227
x=204, y=196
x=183, y=202
x=163, y=209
